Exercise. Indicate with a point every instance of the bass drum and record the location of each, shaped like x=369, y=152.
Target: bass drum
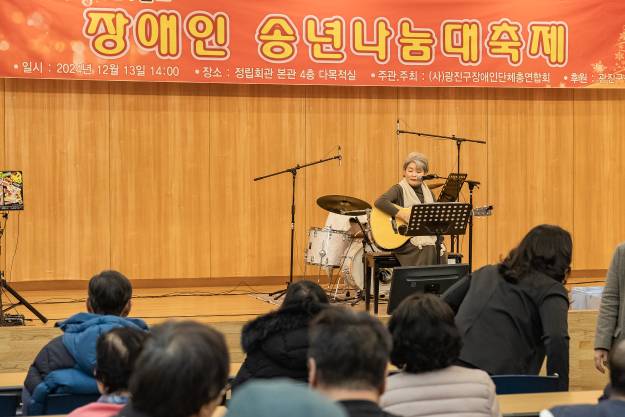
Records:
x=352, y=270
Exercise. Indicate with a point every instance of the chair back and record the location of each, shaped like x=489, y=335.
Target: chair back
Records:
x=66, y=403
x=9, y=401
x=525, y=384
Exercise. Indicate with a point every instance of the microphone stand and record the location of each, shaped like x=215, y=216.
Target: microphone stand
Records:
x=472, y=185
x=293, y=172
x=459, y=141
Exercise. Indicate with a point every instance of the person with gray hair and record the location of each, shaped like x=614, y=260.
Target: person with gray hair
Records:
x=398, y=201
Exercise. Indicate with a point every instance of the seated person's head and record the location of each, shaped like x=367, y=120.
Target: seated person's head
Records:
x=546, y=249
x=117, y=352
x=348, y=352
x=181, y=372
x=280, y=398
x=425, y=337
x=306, y=295
x=109, y=293
x=617, y=368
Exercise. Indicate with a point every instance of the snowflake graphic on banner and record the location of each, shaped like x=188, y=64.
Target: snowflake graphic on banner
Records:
x=619, y=55
x=619, y=58
x=598, y=67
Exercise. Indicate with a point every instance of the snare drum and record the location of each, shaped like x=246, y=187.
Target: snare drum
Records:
x=326, y=246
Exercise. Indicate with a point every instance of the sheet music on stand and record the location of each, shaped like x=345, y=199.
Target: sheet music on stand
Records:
x=438, y=219
x=451, y=188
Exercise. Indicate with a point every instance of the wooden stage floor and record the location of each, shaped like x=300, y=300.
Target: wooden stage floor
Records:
x=226, y=308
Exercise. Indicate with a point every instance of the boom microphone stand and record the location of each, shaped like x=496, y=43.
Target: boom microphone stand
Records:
x=459, y=142
x=293, y=172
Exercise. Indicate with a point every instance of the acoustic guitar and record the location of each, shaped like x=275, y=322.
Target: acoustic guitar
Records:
x=387, y=230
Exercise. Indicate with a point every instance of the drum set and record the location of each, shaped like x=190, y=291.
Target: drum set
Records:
x=341, y=245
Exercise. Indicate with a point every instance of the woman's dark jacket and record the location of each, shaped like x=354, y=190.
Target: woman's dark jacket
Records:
x=509, y=328
x=276, y=345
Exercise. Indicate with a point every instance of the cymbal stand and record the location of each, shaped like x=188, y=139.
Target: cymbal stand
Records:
x=336, y=284
x=293, y=172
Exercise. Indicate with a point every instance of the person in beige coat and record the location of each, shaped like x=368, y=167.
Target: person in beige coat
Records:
x=426, y=343
x=610, y=322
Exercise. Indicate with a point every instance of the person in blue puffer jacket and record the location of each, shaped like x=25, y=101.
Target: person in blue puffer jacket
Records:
x=66, y=364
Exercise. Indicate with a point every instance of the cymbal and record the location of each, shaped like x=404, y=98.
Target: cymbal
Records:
x=342, y=204
x=435, y=186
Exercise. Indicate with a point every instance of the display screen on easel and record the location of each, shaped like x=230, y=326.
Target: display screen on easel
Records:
x=11, y=190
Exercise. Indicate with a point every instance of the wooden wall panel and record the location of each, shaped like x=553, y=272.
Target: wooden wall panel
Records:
x=57, y=134
x=599, y=196
x=530, y=163
x=168, y=191
x=160, y=180
x=449, y=111
x=255, y=130
x=362, y=121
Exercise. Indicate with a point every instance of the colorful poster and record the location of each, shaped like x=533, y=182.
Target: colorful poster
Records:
x=11, y=190
x=474, y=43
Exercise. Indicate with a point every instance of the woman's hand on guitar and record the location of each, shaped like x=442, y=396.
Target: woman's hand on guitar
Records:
x=404, y=214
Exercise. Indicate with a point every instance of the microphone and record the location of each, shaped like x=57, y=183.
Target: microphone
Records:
x=429, y=177
x=340, y=155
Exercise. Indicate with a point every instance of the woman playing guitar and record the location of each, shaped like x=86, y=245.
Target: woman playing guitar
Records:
x=397, y=202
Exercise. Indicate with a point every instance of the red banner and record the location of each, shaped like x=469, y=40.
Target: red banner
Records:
x=493, y=43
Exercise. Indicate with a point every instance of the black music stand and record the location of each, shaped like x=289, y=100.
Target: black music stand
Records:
x=451, y=192
x=438, y=219
x=451, y=188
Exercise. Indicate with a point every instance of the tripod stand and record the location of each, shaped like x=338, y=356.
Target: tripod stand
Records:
x=293, y=172
x=4, y=286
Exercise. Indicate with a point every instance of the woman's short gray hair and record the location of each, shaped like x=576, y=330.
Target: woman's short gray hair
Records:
x=419, y=159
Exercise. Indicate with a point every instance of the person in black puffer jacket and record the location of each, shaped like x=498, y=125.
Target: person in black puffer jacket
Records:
x=276, y=343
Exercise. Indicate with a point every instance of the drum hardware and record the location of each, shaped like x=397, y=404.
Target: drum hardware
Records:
x=357, y=264
x=352, y=265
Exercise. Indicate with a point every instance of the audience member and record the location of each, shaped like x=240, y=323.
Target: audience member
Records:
x=117, y=352
x=611, y=319
x=348, y=357
x=513, y=314
x=276, y=343
x=614, y=406
x=67, y=362
x=426, y=343
x=181, y=372
x=280, y=398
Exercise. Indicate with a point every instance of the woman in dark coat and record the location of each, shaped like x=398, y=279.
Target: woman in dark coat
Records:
x=276, y=343
x=513, y=314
